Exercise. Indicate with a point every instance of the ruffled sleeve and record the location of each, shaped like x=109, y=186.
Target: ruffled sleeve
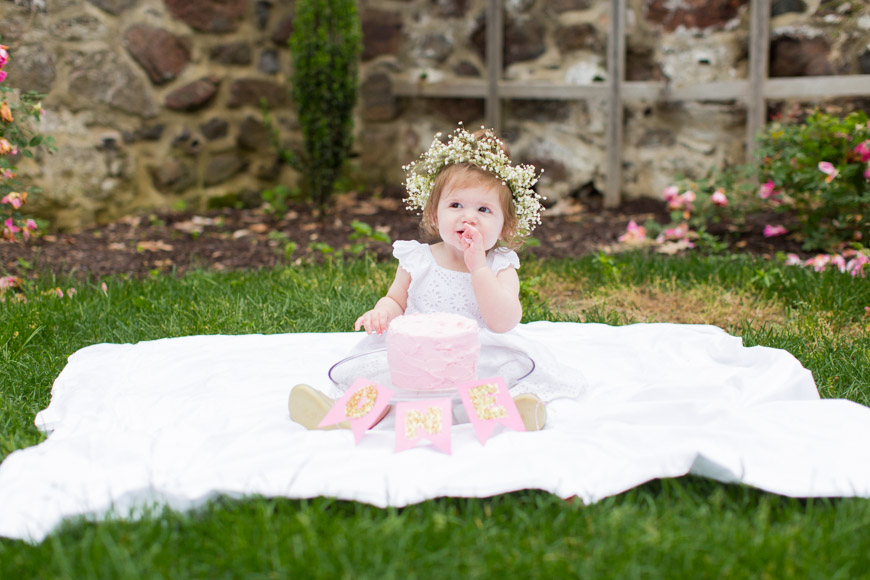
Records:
x=503, y=258
x=413, y=256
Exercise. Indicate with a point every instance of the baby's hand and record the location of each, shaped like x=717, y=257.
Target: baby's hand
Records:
x=474, y=253
x=374, y=321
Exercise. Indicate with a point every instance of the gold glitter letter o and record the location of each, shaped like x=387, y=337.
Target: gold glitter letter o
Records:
x=361, y=402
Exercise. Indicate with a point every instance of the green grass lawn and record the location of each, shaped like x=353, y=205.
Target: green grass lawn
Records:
x=678, y=528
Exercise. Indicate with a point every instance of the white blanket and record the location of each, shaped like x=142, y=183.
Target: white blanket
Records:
x=179, y=421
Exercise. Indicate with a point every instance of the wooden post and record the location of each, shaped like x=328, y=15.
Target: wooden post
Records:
x=494, y=60
x=616, y=73
x=759, y=55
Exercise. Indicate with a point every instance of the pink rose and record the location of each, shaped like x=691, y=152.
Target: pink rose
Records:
x=819, y=262
x=829, y=170
x=633, y=233
x=793, y=260
x=718, y=198
x=774, y=231
x=10, y=226
x=766, y=190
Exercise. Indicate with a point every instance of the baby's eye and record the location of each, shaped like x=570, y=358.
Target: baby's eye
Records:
x=455, y=204
x=484, y=209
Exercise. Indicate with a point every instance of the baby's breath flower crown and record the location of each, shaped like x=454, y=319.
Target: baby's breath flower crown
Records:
x=484, y=152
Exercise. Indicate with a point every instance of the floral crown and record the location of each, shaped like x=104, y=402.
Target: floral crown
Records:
x=485, y=152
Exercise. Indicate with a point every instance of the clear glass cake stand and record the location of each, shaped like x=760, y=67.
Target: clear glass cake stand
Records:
x=495, y=361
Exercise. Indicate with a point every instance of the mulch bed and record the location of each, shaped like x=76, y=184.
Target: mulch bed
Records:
x=230, y=239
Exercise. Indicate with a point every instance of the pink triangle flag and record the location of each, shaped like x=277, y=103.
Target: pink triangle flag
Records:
x=489, y=403
x=430, y=419
x=361, y=405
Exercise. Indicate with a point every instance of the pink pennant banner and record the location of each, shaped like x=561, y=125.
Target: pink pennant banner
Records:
x=419, y=420
x=362, y=406
x=489, y=403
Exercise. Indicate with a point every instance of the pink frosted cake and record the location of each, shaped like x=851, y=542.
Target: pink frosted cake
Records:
x=432, y=351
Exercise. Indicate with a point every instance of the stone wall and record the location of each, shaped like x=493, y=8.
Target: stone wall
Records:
x=156, y=101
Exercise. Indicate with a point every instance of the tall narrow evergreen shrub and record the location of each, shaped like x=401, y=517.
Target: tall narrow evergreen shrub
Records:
x=325, y=45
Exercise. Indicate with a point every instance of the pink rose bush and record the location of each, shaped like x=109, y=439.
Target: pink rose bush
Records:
x=18, y=113
x=813, y=172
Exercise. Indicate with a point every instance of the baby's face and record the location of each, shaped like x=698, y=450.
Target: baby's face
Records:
x=470, y=203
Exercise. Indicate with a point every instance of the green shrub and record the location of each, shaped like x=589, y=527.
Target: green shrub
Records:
x=818, y=171
x=325, y=45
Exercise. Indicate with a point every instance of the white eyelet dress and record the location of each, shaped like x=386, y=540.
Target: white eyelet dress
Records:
x=437, y=289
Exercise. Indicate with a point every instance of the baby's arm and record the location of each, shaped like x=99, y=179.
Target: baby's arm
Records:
x=498, y=296
x=387, y=308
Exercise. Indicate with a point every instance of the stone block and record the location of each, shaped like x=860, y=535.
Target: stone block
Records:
x=583, y=36
x=524, y=40
x=785, y=6
x=641, y=64
x=540, y=111
x=173, y=175
x=450, y=8
x=469, y=111
x=269, y=63
x=114, y=7
x=692, y=14
x=262, y=9
x=435, y=46
x=102, y=77
x=162, y=54
x=33, y=69
x=382, y=33
x=234, y=53
x=560, y=6
x=864, y=62
x=79, y=27
x=15, y=26
x=379, y=102
x=553, y=170
x=151, y=132
x=282, y=32
x=208, y=15
x=378, y=151
x=250, y=91
x=214, y=128
x=193, y=96
x=253, y=135
x=267, y=167
x=796, y=56
x=466, y=69
x=657, y=137
x=223, y=166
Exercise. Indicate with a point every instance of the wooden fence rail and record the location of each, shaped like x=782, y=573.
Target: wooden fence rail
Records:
x=754, y=91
